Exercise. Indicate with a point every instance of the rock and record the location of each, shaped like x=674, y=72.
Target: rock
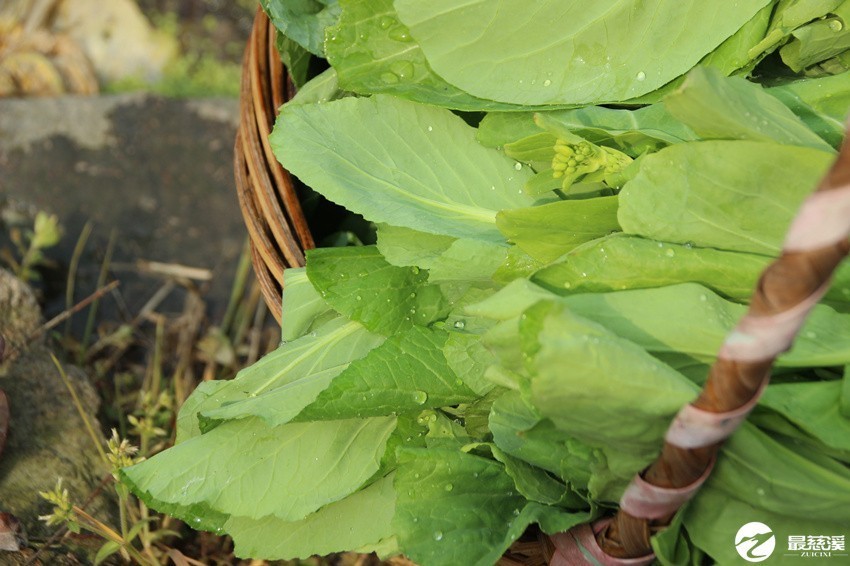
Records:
x=19, y=314
x=12, y=535
x=47, y=437
x=157, y=171
x=117, y=38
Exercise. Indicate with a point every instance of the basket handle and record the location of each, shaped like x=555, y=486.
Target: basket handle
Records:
x=787, y=290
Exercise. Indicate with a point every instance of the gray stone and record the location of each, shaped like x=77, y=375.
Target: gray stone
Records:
x=157, y=171
x=47, y=438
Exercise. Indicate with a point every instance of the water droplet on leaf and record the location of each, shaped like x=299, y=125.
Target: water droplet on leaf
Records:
x=403, y=69
x=389, y=78
x=459, y=324
x=419, y=397
x=438, y=535
x=400, y=33
x=641, y=76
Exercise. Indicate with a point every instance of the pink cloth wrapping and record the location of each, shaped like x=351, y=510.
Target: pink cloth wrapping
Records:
x=696, y=428
x=573, y=548
x=823, y=219
x=759, y=338
x=646, y=501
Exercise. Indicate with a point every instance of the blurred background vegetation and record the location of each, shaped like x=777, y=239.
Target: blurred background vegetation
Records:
x=176, y=48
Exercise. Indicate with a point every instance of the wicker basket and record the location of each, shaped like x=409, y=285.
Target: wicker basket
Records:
x=276, y=224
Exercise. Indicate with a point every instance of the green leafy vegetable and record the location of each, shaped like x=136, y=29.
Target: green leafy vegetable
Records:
x=557, y=264
x=374, y=52
x=556, y=54
x=623, y=262
x=745, y=111
x=407, y=373
x=323, y=462
x=303, y=21
x=367, y=512
x=731, y=195
x=821, y=103
x=359, y=283
x=418, y=166
x=551, y=230
x=280, y=385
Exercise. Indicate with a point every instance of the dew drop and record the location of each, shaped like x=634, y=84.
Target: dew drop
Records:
x=641, y=76
x=389, y=78
x=492, y=187
x=402, y=69
x=669, y=252
x=518, y=166
x=836, y=25
x=547, y=82
x=568, y=285
x=385, y=22
x=359, y=298
x=412, y=295
x=438, y=535
x=459, y=324
x=449, y=487
x=414, y=270
x=419, y=397
x=400, y=33
x=363, y=36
